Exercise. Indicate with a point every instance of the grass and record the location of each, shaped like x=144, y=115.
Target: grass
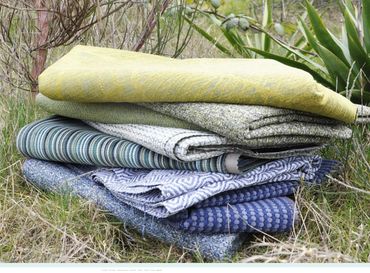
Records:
x=37, y=226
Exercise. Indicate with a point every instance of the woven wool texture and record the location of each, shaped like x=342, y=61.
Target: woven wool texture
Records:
x=92, y=74
x=72, y=141
x=271, y=215
x=190, y=145
x=67, y=179
x=262, y=125
x=250, y=209
x=122, y=113
x=363, y=114
x=162, y=193
x=248, y=194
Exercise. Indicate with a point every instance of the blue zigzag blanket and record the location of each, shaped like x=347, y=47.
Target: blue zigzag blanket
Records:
x=162, y=193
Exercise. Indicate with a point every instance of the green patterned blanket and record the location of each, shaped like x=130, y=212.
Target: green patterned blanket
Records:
x=93, y=74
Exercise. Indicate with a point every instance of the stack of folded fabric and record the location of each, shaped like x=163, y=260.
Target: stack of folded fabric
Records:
x=195, y=152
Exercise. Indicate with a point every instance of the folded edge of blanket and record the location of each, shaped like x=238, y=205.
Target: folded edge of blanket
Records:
x=363, y=114
x=122, y=113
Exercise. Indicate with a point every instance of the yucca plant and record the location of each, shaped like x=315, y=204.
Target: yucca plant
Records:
x=340, y=63
x=346, y=58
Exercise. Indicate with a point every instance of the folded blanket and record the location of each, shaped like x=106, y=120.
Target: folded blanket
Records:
x=190, y=145
x=130, y=113
x=243, y=123
x=162, y=193
x=363, y=114
x=263, y=208
x=72, y=141
x=123, y=113
x=248, y=194
x=269, y=216
x=92, y=74
x=68, y=179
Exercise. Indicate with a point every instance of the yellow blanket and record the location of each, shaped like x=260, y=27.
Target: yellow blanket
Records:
x=93, y=74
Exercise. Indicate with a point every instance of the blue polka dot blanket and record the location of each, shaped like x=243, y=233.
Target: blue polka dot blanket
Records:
x=271, y=215
x=162, y=193
x=263, y=208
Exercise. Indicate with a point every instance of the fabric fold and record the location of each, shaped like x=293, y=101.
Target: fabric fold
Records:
x=162, y=193
x=72, y=141
x=271, y=215
x=265, y=126
x=117, y=113
x=93, y=74
x=190, y=145
x=363, y=114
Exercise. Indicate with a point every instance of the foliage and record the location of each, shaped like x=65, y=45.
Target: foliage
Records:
x=346, y=58
x=342, y=64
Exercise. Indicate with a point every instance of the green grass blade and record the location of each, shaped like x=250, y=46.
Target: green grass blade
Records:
x=338, y=70
x=297, y=53
x=308, y=35
x=236, y=42
x=344, y=41
x=366, y=23
x=346, y=5
x=266, y=23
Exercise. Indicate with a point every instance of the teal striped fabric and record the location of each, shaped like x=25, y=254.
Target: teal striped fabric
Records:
x=67, y=140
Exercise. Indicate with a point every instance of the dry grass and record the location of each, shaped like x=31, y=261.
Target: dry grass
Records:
x=37, y=226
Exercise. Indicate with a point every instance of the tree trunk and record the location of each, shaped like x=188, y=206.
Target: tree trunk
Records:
x=41, y=39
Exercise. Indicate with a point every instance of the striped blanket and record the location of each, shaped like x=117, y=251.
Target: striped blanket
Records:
x=162, y=193
x=72, y=141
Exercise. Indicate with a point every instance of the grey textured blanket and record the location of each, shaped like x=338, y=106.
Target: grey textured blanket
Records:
x=363, y=114
x=266, y=126
x=191, y=145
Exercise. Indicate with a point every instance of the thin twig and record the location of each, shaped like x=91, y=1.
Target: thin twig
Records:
x=152, y=21
x=348, y=186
